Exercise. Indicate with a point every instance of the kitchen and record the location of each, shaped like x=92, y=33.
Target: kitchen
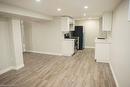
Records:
x=94, y=34
x=72, y=36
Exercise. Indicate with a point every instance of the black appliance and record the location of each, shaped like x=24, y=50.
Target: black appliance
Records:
x=67, y=35
x=79, y=33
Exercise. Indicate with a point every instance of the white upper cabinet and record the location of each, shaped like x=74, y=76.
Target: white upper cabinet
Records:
x=72, y=25
x=64, y=23
x=107, y=21
x=67, y=24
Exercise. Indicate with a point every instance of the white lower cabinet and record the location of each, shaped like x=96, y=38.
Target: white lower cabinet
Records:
x=68, y=47
x=102, y=51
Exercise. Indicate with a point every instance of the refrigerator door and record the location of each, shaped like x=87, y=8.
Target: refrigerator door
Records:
x=79, y=33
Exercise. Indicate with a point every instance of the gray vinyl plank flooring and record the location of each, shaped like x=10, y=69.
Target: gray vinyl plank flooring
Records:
x=43, y=70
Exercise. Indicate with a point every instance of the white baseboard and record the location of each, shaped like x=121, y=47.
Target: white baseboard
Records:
x=49, y=53
x=5, y=70
x=11, y=68
x=103, y=61
x=117, y=84
x=18, y=67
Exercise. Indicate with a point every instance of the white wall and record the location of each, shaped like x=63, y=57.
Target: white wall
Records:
x=120, y=53
x=5, y=51
x=91, y=31
x=44, y=37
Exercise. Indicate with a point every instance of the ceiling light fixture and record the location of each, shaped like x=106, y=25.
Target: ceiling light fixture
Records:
x=85, y=7
x=84, y=14
x=38, y=0
x=58, y=9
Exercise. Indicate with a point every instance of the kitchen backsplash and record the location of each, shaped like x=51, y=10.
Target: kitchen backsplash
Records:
x=105, y=34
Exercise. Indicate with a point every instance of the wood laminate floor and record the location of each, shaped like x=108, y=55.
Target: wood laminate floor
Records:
x=42, y=70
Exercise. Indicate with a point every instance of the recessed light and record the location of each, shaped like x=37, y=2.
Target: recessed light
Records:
x=85, y=7
x=58, y=9
x=84, y=14
x=38, y=0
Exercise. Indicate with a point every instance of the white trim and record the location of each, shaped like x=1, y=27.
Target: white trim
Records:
x=49, y=53
x=11, y=68
x=103, y=61
x=117, y=84
x=16, y=11
x=18, y=67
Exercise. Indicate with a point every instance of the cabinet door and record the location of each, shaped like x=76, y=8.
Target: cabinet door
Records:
x=72, y=25
x=70, y=21
x=64, y=23
x=107, y=21
x=102, y=52
x=68, y=48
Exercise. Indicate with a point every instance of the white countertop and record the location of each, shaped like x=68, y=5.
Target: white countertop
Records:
x=105, y=41
x=69, y=39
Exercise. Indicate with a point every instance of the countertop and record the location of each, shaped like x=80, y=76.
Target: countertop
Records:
x=104, y=41
x=69, y=39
